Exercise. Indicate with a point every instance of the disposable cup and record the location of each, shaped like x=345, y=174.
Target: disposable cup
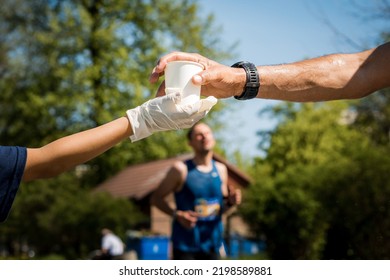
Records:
x=178, y=75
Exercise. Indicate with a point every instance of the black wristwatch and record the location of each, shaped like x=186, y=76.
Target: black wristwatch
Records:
x=252, y=80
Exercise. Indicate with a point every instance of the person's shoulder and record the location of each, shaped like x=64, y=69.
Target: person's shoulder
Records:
x=175, y=176
x=179, y=166
x=12, y=150
x=12, y=163
x=220, y=165
x=12, y=157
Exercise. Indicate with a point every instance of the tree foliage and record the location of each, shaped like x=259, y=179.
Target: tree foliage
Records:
x=67, y=66
x=323, y=188
x=65, y=219
x=73, y=65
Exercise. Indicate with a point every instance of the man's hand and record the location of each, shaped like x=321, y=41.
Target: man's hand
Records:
x=234, y=198
x=187, y=219
x=216, y=79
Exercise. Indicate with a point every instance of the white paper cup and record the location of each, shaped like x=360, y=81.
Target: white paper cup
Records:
x=178, y=75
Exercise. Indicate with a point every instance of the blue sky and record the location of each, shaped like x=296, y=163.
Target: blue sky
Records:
x=283, y=31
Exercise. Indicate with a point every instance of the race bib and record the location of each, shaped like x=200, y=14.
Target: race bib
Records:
x=207, y=209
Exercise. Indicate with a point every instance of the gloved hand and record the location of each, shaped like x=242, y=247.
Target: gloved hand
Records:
x=166, y=113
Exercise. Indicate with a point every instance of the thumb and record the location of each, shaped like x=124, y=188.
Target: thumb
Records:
x=205, y=77
x=197, y=80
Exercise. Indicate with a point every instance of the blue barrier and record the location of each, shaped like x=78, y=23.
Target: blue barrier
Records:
x=239, y=246
x=149, y=247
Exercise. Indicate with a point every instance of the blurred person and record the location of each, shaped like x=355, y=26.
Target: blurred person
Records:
x=112, y=247
x=19, y=164
x=330, y=77
x=199, y=186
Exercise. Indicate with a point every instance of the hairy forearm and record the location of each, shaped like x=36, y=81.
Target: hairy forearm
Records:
x=317, y=79
x=67, y=152
x=338, y=76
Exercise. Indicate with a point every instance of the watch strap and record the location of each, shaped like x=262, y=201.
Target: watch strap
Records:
x=252, y=83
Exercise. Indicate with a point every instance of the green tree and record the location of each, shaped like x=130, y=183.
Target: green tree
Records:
x=319, y=180
x=354, y=190
x=79, y=64
x=70, y=65
x=53, y=219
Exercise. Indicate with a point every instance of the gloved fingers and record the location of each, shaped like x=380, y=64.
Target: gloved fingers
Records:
x=166, y=103
x=203, y=105
x=198, y=116
x=174, y=94
x=207, y=103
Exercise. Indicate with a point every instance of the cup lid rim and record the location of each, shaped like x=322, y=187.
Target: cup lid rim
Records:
x=186, y=62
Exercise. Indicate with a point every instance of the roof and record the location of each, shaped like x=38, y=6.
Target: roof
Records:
x=138, y=181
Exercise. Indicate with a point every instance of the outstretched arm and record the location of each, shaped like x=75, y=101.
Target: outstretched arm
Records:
x=158, y=114
x=331, y=77
x=65, y=153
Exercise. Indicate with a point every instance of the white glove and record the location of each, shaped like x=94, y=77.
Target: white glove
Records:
x=166, y=113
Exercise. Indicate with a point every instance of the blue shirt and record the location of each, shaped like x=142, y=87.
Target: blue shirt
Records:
x=12, y=163
x=201, y=193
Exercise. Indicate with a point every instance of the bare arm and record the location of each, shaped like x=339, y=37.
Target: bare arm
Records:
x=171, y=183
x=67, y=152
x=331, y=77
x=231, y=196
x=223, y=174
x=158, y=114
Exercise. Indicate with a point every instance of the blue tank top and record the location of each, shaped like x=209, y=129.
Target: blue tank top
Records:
x=202, y=193
x=12, y=163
